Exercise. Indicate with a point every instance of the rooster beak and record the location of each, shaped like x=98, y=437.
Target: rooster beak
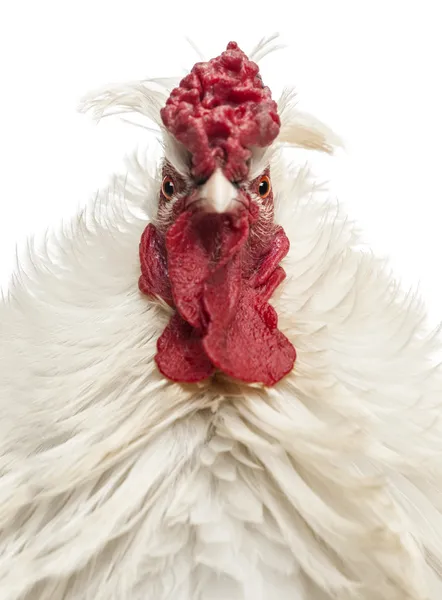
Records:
x=218, y=194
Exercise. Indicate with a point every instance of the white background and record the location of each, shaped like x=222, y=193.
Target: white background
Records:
x=370, y=69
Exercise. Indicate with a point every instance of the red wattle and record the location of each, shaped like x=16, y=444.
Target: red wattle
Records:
x=181, y=356
x=196, y=245
x=223, y=319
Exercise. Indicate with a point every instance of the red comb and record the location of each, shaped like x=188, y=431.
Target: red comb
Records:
x=221, y=110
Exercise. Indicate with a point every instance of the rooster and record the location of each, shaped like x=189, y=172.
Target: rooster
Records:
x=209, y=389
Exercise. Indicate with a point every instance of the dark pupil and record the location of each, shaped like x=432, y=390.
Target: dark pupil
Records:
x=168, y=188
x=263, y=188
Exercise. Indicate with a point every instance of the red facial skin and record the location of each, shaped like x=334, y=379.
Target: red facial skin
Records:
x=219, y=274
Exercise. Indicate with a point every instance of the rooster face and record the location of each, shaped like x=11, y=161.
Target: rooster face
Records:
x=215, y=196
x=213, y=256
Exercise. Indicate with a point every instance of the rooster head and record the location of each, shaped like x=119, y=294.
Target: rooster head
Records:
x=215, y=256
x=212, y=249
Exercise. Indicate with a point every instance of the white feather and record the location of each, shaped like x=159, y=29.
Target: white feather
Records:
x=303, y=130
x=264, y=47
x=139, y=97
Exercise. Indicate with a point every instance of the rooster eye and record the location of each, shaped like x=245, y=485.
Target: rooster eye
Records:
x=168, y=187
x=264, y=186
